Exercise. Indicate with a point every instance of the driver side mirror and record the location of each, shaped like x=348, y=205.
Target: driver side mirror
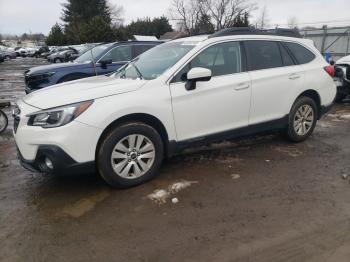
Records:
x=106, y=62
x=195, y=75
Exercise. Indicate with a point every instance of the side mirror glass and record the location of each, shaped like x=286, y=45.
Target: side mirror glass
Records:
x=197, y=74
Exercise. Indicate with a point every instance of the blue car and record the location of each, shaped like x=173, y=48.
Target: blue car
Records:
x=106, y=58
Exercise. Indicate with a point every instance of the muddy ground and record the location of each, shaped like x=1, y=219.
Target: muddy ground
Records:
x=253, y=199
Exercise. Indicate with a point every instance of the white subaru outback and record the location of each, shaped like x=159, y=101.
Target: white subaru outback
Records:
x=179, y=94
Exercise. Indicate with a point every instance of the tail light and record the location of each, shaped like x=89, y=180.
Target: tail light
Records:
x=330, y=70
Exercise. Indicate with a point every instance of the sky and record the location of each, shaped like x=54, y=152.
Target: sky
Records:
x=34, y=16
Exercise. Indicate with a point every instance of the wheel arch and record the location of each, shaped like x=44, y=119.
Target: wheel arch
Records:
x=313, y=94
x=142, y=118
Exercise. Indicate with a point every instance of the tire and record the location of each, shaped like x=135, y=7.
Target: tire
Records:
x=57, y=60
x=3, y=121
x=301, y=124
x=7, y=57
x=128, y=168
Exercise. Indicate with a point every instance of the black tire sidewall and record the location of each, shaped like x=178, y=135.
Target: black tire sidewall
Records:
x=2, y=129
x=291, y=134
x=104, y=165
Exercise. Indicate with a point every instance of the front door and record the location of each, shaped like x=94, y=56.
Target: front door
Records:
x=221, y=104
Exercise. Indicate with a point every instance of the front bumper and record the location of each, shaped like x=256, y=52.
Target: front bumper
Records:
x=61, y=162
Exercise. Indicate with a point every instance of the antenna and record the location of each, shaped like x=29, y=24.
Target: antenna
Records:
x=93, y=62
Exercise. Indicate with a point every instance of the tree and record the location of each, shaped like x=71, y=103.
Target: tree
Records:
x=146, y=26
x=88, y=21
x=263, y=20
x=96, y=30
x=203, y=25
x=211, y=14
x=56, y=36
x=225, y=13
x=187, y=12
x=292, y=22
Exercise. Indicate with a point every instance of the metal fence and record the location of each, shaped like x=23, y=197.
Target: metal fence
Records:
x=334, y=40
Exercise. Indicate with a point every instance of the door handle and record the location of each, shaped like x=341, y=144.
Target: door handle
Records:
x=294, y=76
x=242, y=86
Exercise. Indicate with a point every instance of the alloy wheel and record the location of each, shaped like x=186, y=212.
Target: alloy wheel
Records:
x=133, y=156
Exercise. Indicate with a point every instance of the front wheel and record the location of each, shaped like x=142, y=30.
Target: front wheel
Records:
x=302, y=119
x=130, y=155
x=3, y=121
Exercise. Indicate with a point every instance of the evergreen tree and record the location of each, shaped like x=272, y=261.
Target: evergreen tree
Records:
x=204, y=25
x=87, y=21
x=56, y=36
x=146, y=26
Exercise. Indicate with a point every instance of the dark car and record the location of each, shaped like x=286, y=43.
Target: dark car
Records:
x=43, y=49
x=61, y=56
x=100, y=60
x=2, y=58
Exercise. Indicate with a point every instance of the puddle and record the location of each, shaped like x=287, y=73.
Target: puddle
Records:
x=82, y=206
x=289, y=150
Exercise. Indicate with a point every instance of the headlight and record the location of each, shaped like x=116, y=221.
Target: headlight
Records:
x=41, y=76
x=58, y=116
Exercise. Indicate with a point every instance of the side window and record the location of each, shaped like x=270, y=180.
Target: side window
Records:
x=221, y=59
x=301, y=54
x=263, y=54
x=119, y=54
x=286, y=58
x=139, y=49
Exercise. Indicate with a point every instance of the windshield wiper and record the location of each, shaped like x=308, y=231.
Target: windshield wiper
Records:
x=137, y=70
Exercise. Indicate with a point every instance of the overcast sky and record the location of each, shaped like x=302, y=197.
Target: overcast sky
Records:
x=19, y=16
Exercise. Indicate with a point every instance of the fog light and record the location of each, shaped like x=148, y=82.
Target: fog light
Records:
x=48, y=163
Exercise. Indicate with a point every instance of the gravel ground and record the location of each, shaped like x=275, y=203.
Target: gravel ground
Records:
x=254, y=199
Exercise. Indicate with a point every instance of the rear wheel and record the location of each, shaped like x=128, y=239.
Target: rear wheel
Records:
x=3, y=121
x=130, y=155
x=302, y=119
x=57, y=60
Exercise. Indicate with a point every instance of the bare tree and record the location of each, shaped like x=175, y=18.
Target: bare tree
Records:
x=186, y=13
x=263, y=20
x=292, y=22
x=117, y=14
x=223, y=13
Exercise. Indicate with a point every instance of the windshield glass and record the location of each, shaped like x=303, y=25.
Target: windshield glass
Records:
x=156, y=61
x=96, y=52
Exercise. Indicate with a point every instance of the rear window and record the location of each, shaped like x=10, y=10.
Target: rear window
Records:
x=263, y=54
x=301, y=54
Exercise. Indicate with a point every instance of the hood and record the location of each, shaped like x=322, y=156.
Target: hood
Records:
x=81, y=90
x=344, y=60
x=57, y=67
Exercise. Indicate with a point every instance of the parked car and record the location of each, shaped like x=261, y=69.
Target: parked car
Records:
x=40, y=51
x=60, y=57
x=342, y=77
x=180, y=94
x=2, y=58
x=9, y=54
x=72, y=56
x=106, y=59
x=53, y=50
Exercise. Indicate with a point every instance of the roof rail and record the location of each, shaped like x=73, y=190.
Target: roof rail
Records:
x=254, y=31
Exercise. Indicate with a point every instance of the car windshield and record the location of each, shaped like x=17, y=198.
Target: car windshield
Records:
x=156, y=61
x=96, y=52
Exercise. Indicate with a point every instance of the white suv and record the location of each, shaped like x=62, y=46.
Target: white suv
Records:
x=179, y=94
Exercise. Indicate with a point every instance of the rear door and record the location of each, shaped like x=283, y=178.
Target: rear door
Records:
x=275, y=79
